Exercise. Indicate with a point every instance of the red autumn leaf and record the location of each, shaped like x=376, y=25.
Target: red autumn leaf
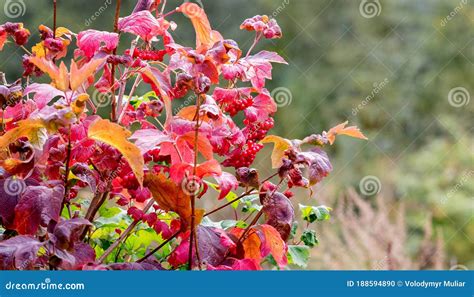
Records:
x=261, y=241
x=67, y=232
x=227, y=182
x=19, y=252
x=91, y=41
x=279, y=213
x=44, y=93
x=143, y=24
x=37, y=207
x=259, y=68
x=263, y=106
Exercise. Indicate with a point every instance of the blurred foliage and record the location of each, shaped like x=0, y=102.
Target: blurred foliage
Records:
x=390, y=75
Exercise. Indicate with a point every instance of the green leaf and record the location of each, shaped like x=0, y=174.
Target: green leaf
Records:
x=298, y=255
x=309, y=238
x=315, y=213
x=249, y=204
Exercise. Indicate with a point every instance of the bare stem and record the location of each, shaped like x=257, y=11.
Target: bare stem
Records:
x=54, y=17
x=113, y=115
x=193, y=196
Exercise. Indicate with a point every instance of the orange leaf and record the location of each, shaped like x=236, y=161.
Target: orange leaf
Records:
x=171, y=197
x=117, y=136
x=261, y=241
x=272, y=243
x=341, y=129
x=47, y=67
x=280, y=146
x=79, y=76
x=205, y=36
x=203, y=144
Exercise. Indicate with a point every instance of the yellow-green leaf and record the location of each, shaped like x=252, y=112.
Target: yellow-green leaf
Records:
x=280, y=146
x=35, y=130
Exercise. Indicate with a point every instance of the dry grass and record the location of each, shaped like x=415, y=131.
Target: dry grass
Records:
x=362, y=236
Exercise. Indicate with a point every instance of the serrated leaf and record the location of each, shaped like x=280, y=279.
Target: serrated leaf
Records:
x=315, y=213
x=298, y=255
x=341, y=129
x=171, y=197
x=117, y=137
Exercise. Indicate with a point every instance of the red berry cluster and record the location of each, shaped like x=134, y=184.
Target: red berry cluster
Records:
x=243, y=157
x=15, y=30
x=148, y=55
x=117, y=59
x=238, y=105
x=257, y=131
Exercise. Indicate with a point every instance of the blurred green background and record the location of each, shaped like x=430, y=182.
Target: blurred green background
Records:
x=402, y=70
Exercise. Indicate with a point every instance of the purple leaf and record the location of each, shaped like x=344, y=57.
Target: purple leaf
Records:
x=19, y=252
x=37, y=207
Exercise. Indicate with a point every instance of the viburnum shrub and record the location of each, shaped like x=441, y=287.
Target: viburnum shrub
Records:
x=128, y=190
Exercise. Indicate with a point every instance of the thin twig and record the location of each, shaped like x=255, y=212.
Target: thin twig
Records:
x=193, y=196
x=114, y=100
x=158, y=247
x=125, y=234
